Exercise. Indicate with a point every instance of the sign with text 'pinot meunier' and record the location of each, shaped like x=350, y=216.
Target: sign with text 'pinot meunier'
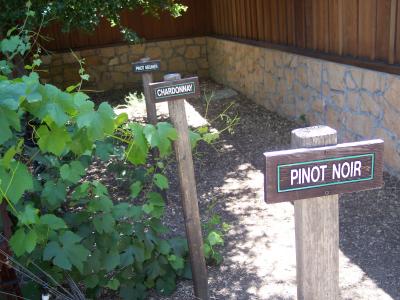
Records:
x=177, y=89
x=314, y=172
x=147, y=66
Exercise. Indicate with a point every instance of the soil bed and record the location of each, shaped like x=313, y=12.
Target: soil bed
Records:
x=259, y=252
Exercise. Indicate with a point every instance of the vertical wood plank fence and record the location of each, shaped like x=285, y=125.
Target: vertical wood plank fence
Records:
x=194, y=22
x=366, y=29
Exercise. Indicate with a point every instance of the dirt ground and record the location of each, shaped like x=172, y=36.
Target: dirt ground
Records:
x=259, y=252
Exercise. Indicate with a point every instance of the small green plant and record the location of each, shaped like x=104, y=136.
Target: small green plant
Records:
x=215, y=230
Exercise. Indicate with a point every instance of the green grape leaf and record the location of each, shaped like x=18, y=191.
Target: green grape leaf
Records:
x=113, y=284
x=15, y=182
x=54, y=193
x=161, y=181
x=54, y=141
x=176, y=262
x=164, y=247
x=194, y=138
x=29, y=215
x=137, y=150
x=127, y=257
x=136, y=188
x=53, y=222
x=111, y=260
x=166, y=130
x=215, y=239
x=98, y=123
x=156, y=199
x=67, y=252
x=151, y=135
x=21, y=242
x=72, y=172
x=104, y=223
x=210, y=137
x=166, y=285
x=8, y=119
x=101, y=203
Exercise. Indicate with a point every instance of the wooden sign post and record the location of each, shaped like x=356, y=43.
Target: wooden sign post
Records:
x=174, y=90
x=145, y=66
x=317, y=173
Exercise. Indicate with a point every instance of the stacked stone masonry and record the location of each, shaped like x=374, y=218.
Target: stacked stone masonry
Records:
x=359, y=103
x=111, y=67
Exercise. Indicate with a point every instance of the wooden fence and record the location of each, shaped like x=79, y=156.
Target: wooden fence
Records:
x=366, y=29
x=194, y=22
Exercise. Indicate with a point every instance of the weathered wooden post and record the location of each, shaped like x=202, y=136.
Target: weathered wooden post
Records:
x=176, y=89
x=145, y=67
x=317, y=230
x=316, y=171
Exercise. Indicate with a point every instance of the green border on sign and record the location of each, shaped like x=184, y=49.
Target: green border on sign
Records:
x=329, y=183
x=173, y=85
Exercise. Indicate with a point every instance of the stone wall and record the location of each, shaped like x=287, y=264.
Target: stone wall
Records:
x=110, y=67
x=360, y=104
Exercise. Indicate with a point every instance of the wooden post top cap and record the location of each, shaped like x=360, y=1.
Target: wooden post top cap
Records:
x=313, y=131
x=172, y=76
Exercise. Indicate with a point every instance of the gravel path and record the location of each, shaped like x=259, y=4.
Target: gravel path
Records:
x=259, y=254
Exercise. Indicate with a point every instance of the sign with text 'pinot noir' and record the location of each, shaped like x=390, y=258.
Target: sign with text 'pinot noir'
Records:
x=177, y=89
x=314, y=172
x=146, y=66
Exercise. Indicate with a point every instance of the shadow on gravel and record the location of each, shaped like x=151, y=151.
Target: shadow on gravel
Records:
x=370, y=233
x=369, y=221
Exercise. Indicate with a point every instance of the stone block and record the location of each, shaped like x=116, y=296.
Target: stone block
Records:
x=69, y=58
x=371, y=81
x=362, y=125
x=353, y=101
x=118, y=77
x=392, y=95
x=180, y=50
x=391, y=119
x=123, y=68
x=123, y=59
x=88, y=52
x=203, y=63
x=314, y=74
x=137, y=50
x=332, y=117
x=318, y=105
x=338, y=99
x=107, y=52
x=301, y=75
x=179, y=42
x=336, y=74
x=368, y=104
x=176, y=64
x=113, y=61
x=122, y=49
x=192, y=52
x=153, y=52
x=92, y=60
x=166, y=53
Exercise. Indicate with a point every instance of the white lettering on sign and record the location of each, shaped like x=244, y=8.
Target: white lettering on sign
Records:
x=175, y=90
x=346, y=169
x=313, y=174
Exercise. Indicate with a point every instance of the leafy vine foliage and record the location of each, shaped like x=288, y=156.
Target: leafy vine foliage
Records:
x=66, y=225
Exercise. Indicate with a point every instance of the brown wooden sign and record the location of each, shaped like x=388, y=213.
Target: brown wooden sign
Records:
x=315, y=172
x=146, y=66
x=177, y=89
